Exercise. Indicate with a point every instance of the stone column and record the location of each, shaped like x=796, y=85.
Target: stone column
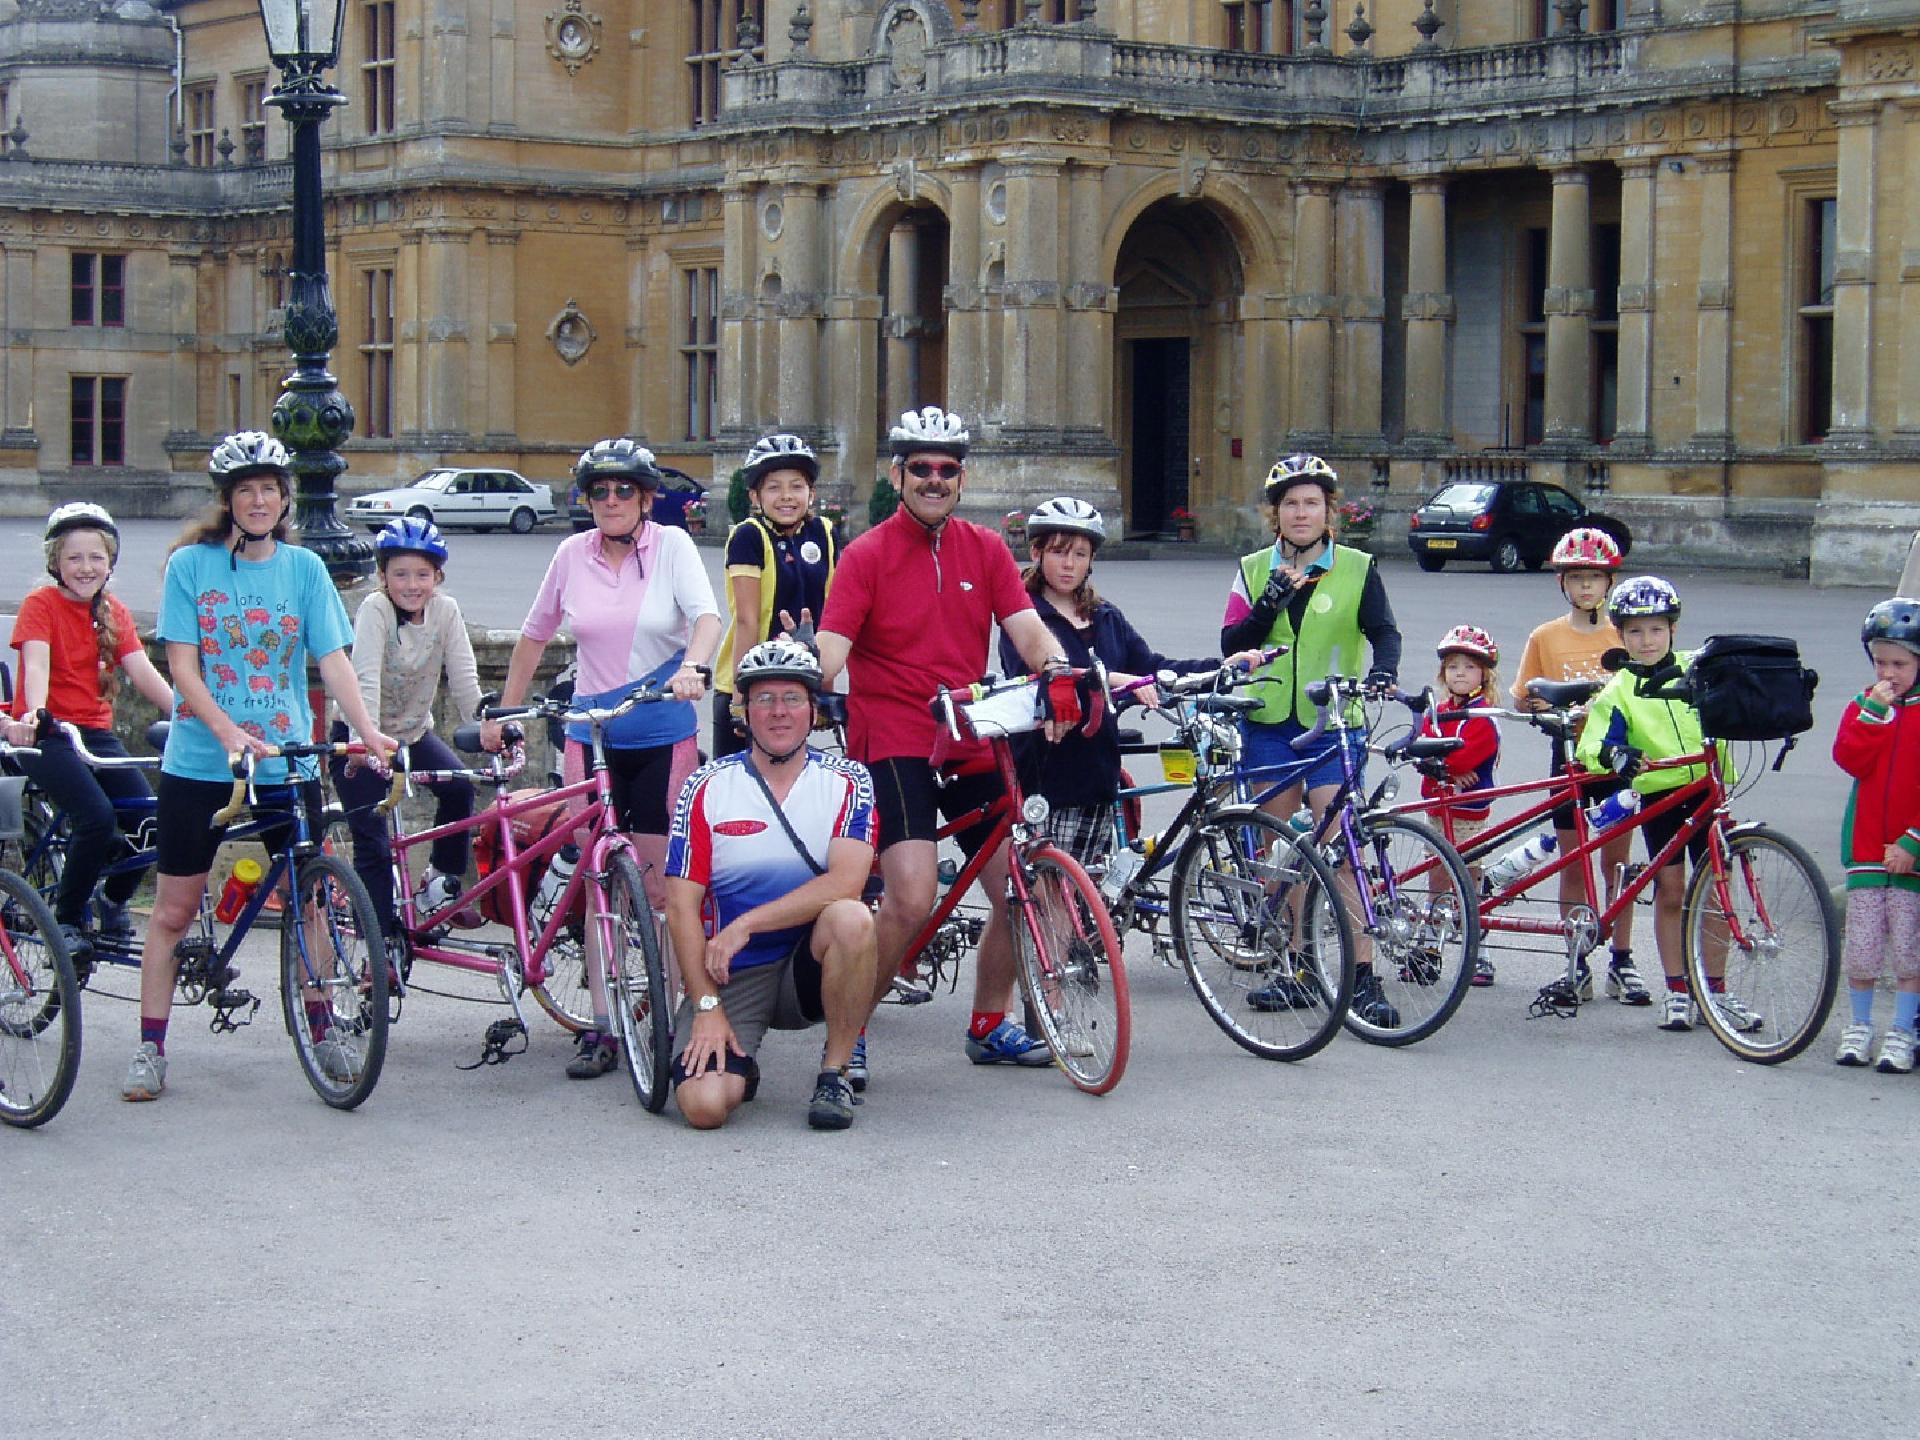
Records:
x=502, y=379
x=1633, y=415
x=1569, y=309
x=1712, y=384
x=409, y=368
x=1264, y=322
x=739, y=275
x=443, y=388
x=18, y=415
x=1429, y=310
x=853, y=361
x=1089, y=336
x=903, y=328
x=1312, y=307
x=966, y=313
x=802, y=304
x=1858, y=122
x=635, y=336
x=1031, y=334
x=1907, y=405
x=183, y=288
x=444, y=76
x=1361, y=284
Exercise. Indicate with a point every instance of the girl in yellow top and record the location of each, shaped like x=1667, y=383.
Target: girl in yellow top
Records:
x=1571, y=648
x=779, y=561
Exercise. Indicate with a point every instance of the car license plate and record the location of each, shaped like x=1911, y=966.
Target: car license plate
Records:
x=1443, y=544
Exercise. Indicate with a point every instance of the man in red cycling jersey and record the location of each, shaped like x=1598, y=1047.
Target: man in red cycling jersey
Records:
x=911, y=612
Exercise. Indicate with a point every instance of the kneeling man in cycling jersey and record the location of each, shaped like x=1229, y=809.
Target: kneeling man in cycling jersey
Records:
x=769, y=851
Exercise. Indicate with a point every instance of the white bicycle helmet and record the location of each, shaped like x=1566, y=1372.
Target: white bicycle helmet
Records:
x=80, y=515
x=929, y=429
x=780, y=658
x=1066, y=515
x=247, y=452
x=1301, y=469
x=780, y=452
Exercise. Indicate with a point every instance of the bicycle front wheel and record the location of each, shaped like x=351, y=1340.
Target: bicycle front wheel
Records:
x=1261, y=933
x=1426, y=929
x=1071, y=970
x=643, y=1001
x=1767, y=923
x=39, y=1009
x=333, y=981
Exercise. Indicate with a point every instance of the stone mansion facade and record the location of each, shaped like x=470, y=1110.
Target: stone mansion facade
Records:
x=1663, y=250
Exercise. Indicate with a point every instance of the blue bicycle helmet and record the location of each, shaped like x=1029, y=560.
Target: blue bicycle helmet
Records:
x=1643, y=597
x=410, y=536
x=1896, y=621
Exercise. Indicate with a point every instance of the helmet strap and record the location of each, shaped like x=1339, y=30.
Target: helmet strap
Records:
x=778, y=759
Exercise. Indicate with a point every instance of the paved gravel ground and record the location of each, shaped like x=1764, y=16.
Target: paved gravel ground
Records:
x=1520, y=1227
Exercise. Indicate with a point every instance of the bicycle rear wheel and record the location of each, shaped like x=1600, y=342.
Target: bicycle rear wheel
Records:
x=564, y=993
x=1770, y=922
x=643, y=998
x=1426, y=931
x=1264, y=941
x=333, y=981
x=1072, y=972
x=39, y=1009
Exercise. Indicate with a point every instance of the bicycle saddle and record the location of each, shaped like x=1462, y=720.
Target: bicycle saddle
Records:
x=1227, y=704
x=1562, y=693
x=1430, y=747
x=1131, y=736
x=157, y=735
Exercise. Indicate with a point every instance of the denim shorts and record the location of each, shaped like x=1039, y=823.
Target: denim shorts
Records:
x=1273, y=745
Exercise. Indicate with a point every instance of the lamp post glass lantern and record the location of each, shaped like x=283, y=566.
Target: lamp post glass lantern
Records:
x=312, y=417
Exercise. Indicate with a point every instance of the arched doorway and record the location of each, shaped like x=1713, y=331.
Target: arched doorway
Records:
x=1177, y=274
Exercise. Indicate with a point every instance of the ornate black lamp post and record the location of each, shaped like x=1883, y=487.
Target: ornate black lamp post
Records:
x=312, y=418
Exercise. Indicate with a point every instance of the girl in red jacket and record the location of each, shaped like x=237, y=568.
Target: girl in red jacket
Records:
x=1468, y=678
x=1879, y=746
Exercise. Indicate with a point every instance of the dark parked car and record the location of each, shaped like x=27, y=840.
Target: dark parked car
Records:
x=669, y=506
x=1508, y=523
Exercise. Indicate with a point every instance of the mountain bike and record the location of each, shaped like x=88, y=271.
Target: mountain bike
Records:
x=39, y=994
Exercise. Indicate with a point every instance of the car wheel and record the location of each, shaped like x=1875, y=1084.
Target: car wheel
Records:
x=1536, y=562
x=1505, y=555
x=521, y=522
x=1431, y=563
x=1613, y=530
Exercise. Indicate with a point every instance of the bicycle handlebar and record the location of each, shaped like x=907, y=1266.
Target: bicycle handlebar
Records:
x=97, y=762
x=539, y=706
x=243, y=765
x=1338, y=691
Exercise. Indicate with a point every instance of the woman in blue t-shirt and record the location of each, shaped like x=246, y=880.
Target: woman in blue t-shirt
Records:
x=240, y=613
x=779, y=564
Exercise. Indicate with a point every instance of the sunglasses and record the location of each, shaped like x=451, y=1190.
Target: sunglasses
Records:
x=933, y=469
x=618, y=489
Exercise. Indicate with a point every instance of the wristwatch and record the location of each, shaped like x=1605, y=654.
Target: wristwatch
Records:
x=706, y=1003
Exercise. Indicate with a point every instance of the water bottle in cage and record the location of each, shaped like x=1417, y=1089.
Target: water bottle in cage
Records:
x=1522, y=859
x=553, y=885
x=1615, y=808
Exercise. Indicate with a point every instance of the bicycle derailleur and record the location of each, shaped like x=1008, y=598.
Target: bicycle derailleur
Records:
x=205, y=976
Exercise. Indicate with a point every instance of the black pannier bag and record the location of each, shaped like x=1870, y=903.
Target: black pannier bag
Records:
x=1752, y=687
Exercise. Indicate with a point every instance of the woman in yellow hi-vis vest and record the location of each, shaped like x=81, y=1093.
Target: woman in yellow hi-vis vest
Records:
x=779, y=564
x=1322, y=601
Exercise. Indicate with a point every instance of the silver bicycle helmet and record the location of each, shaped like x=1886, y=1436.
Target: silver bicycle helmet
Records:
x=1896, y=620
x=1066, y=515
x=618, y=458
x=780, y=658
x=929, y=429
x=1643, y=597
x=1301, y=469
x=780, y=452
x=247, y=452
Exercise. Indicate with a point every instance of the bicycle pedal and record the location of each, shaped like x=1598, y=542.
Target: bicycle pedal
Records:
x=228, y=1003
x=497, y=1046
x=905, y=992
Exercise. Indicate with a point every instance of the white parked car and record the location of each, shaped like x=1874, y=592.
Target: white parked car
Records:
x=482, y=499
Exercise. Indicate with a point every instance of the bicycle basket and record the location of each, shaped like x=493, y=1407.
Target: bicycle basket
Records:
x=1752, y=687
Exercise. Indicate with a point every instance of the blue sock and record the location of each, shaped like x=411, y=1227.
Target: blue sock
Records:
x=1906, y=1009
x=1862, y=1002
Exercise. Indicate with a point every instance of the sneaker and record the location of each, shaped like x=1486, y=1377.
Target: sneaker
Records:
x=1008, y=1043
x=147, y=1075
x=1289, y=989
x=79, y=951
x=1370, y=1004
x=1482, y=972
x=1624, y=984
x=1583, y=984
x=1856, y=1043
x=598, y=1054
x=1896, y=1052
x=832, y=1105
x=857, y=1066
x=1679, y=1014
x=113, y=923
x=1422, y=967
x=338, y=1056
x=1737, y=1013
x=752, y=1077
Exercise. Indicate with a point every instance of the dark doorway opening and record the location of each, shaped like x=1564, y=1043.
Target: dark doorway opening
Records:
x=1161, y=396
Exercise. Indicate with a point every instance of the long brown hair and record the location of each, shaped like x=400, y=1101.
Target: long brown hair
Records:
x=214, y=525
x=1085, y=599
x=106, y=634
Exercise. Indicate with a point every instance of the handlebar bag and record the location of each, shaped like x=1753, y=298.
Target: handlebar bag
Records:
x=528, y=827
x=1752, y=687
